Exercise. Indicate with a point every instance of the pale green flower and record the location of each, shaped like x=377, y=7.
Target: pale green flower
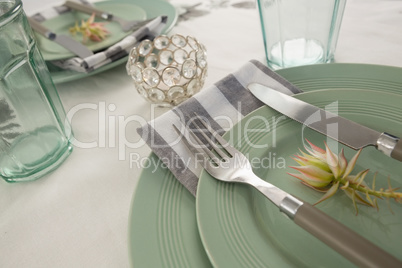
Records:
x=327, y=172
x=95, y=31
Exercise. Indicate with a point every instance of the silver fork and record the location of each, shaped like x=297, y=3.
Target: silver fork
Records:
x=221, y=160
x=125, y=24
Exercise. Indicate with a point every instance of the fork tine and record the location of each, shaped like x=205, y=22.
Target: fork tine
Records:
x=205, y=152
x=199, y=142
x=231, y=150
x=218, y=150
x=187, y=142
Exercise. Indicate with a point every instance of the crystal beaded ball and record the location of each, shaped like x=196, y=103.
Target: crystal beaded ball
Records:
x=167, y=71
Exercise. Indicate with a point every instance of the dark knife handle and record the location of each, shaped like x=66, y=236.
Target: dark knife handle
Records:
x=397, y=151
x=349, y=244
x=41, y=29
x=88, y=10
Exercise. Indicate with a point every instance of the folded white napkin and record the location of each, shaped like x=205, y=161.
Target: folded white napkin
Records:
x=148, y=30
x=223, y=105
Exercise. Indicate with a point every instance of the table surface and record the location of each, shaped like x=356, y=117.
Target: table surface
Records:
x=77, y=216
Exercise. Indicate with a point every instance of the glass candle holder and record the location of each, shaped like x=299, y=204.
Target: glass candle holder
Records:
x=168, y=70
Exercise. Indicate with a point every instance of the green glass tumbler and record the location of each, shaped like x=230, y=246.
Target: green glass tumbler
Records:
x=300, y=32
x=34, y=134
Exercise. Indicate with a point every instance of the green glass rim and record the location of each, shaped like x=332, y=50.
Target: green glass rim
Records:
x=8, y=14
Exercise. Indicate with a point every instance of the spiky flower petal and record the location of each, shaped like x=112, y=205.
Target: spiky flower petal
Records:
x=90, y=29
x=327, y=172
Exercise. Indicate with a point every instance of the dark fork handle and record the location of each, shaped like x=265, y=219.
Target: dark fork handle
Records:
x=38, y=27
x=342, y=239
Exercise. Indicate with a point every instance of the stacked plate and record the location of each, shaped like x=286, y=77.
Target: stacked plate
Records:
x=126, y=9
x=232, y=225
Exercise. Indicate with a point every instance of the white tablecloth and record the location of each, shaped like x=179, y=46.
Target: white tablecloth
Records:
x=78, y=215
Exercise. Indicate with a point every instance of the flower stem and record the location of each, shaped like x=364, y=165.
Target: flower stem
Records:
x=364, y=189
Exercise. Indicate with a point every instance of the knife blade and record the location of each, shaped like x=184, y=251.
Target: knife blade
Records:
x=88, y=9
x=349, y=133
x=65, y=41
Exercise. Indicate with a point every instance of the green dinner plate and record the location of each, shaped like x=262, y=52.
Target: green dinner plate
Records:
x=163, y=228
x=152, y=8
x=62, y=23
x=241, y=228
x=162, y=225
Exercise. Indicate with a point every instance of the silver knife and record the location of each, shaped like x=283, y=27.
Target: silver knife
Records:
x=351, y=133
x=65, y=41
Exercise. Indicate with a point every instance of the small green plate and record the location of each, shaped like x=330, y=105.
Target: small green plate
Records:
x=62, y=23
x=241, y=228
